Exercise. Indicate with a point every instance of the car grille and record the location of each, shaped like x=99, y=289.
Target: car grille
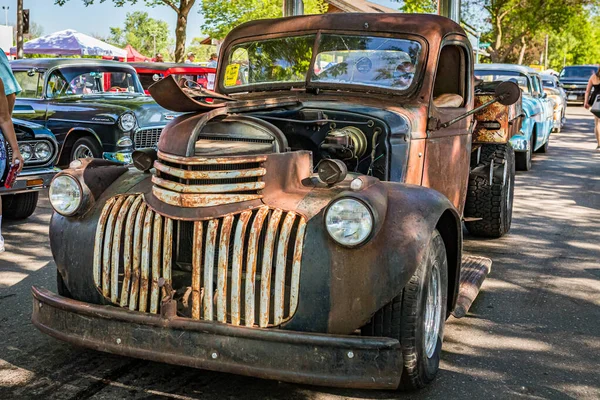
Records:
x=146, y=138
x=207, y=182
x=239, y=269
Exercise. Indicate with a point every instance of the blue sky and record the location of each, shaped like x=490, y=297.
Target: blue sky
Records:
x=97, y=19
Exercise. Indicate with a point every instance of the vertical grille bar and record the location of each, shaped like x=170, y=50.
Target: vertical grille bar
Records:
x=127, y=252
x=110, y=225
x=156, y=262
x=267, y=264
x=282, y=249
x=196, y=269
x=116, y=246
x=137, y=254
x=145, y=267
x=251, y=264
x=236, y=266
x=295, y=284
x=99, y=239
x=222, y=268
x=167, y=253
x=209, y=265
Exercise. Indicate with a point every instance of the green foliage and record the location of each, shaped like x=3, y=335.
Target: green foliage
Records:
x=202, y=51
x=222, y=16
x=138, y=31
x=419, y=6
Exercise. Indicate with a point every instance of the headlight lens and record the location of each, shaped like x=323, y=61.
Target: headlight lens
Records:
x=127, y=122
x=43, y=151
x=26, y=151
x=65, y=194
x=349, y=222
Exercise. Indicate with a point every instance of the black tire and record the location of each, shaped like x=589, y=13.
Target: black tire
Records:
x=61, y=288
x=523, y=159
x=544, y=148
x=19, y=206
x=404, y=319
x=85, y=143
x=492, y=203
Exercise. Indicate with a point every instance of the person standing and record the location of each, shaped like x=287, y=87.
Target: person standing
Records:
x=191, y=57
x=591, y=93
x=9, y=88
x=159, y=58
x=212, y=62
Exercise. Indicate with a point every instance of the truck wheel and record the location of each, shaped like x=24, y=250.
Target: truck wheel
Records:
x=19, y=206
x=416, y=318
x=61, y=288
x=492, y=203
x=85, y=147
x=544, y=148
x=523, y=160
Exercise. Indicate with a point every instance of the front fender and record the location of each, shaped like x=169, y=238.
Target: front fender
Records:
x=341, y=288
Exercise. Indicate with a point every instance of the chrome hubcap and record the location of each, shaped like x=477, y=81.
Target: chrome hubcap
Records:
x=433, y=311
x=82, y=151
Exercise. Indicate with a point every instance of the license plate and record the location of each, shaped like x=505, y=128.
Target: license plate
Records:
x=572, y=97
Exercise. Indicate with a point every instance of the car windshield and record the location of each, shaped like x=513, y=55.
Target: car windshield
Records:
x=578, y=72
x=73, y=81
x=548, y=82
x=501, y=76
x=340, y=59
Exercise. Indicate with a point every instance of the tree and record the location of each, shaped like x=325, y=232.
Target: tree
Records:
x=140, y=31
x=35, y=31
x=202, y=51
x=222, y=16
x=181, y=7
x=419, y=6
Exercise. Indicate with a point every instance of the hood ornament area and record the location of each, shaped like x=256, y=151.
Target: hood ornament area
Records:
x=168, y=94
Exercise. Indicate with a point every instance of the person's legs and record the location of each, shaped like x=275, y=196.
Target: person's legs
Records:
x=597, y=131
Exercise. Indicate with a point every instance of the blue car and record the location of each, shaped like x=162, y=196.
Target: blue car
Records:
x=538, y=108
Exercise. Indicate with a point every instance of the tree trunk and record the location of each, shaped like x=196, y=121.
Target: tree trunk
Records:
x=180, y=30
x=522, y=52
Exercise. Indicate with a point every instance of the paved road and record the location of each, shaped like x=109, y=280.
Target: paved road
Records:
x=534, y=332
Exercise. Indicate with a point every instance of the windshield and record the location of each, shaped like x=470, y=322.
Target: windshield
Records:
x=548, y=83
x=578, y=72
x=340, y=59
x=501, y=76
x=92, y=80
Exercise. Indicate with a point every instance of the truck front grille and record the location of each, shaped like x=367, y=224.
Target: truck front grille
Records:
x=239, y=269
x=146, y=138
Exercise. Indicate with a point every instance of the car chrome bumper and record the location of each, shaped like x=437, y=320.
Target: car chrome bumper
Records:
x=299, y=357
x=122, y=157
x=31, y=180
x=519, y=143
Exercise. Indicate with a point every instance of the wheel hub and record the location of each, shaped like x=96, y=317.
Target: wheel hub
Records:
x=83, y=151
x=433, y=310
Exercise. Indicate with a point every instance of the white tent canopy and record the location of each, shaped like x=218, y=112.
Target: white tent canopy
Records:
x=70, y=43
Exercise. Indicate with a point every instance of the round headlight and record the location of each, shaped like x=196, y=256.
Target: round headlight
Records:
x=65, y=194
x=43, y=151
x=349, y=221
x=127, y=122
x=26, y=151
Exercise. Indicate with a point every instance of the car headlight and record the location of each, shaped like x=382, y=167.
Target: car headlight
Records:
x=127, y=122
x=65, y=194
x=26, y=151
x=125, y=141
x=349, y=221
x=42, y=151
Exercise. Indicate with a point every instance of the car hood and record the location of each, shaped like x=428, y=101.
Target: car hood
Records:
x=146, y=110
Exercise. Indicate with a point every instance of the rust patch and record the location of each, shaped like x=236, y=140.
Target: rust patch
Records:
x=187, y=174
x=145, y=266
x=196, y=269
x=210, y=160
x=257, y=225
x=167, y=254
x=137, y=255
x=99, y=240
x=236, y=267
x=267, y=264
x=222, y=266
x=106, y=259
x=208, y=189
x=200, y=200
x=209, y=265
x=282, y=248
x=297, y=261
x=116, y=246
x=128, y=250
x=156, y=262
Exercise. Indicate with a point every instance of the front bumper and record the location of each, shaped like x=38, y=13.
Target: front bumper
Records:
x=575, y=95
x=299, y=357
x=122, y=157
x=31, y=180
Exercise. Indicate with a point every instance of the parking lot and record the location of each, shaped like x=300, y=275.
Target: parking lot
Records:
x=533, y=332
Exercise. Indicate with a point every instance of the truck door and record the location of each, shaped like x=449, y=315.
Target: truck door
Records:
x=448, y=150
x=30, y=104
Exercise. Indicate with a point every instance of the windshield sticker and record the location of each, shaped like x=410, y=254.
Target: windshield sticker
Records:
x=231, y=74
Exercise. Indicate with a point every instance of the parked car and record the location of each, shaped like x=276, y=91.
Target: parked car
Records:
x=92, y=106
x=151, y=72
x=39, y=150
x=312, y=235
x=555, y=91
x=574, y=79
x=537, y=107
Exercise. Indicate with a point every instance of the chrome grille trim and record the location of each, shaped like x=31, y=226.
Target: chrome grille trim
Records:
x=146, y=137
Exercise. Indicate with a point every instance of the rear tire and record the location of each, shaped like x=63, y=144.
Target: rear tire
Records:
x=492, y=203
x=417, y=316
x=544, y=148
x=19, y=206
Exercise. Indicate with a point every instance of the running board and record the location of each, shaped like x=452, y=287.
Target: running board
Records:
x=473, y=272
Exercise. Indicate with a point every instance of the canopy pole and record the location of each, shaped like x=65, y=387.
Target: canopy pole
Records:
x=293, y=7
x=450, y=9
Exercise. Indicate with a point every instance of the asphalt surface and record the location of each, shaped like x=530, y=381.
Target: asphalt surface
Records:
x=533, y=333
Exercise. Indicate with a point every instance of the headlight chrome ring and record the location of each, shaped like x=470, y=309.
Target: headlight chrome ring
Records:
x=26, y=151
x=66, y=194
x=349, y=221
x=127, y=122
x=43, y=151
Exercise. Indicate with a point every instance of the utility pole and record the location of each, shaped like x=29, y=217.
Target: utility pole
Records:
x=477, y=49
x=5, y=8
x=450, y=9
x=19, y=29
x=546, y=53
